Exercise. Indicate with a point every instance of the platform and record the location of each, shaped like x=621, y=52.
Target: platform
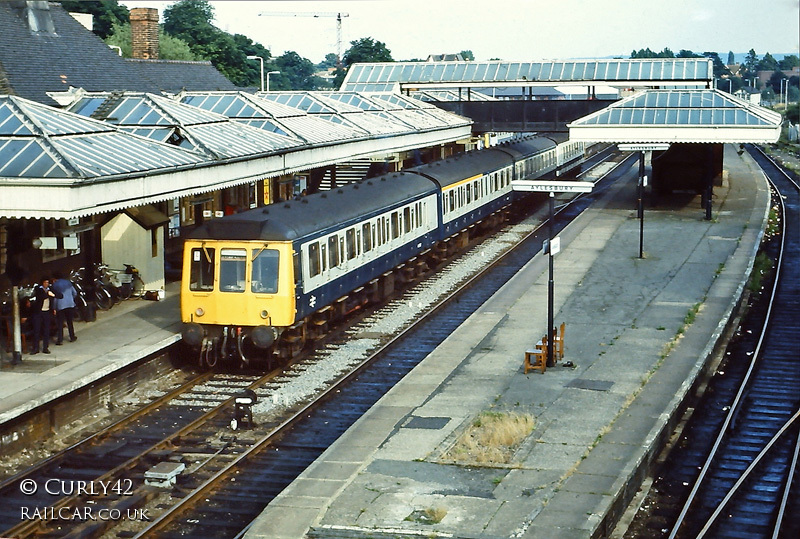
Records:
x=636, y=353
x=128, y=332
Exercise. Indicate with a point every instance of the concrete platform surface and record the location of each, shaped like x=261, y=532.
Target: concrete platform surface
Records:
x=639, y=333
x=128, y=332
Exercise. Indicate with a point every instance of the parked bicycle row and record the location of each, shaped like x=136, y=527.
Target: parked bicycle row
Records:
x=104, y=288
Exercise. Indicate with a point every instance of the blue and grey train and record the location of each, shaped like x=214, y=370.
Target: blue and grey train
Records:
x=263, y=282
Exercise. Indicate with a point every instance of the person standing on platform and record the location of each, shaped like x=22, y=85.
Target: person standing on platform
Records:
x=65, y=307
x=41, y=314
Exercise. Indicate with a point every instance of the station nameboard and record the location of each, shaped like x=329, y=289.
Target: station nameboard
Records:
x=552, y=186
x=657, y=147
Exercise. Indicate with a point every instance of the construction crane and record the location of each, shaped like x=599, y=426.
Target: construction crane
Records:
x=339, y=16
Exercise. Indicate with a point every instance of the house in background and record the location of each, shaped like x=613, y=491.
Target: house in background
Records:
x=44, y=52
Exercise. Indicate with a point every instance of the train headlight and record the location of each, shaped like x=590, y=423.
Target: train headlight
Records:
x=264, y=314
x=199, y=311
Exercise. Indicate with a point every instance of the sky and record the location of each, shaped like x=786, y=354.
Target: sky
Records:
x=525, y=30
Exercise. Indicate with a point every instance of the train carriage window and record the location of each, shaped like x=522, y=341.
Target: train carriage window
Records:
x=342, y=252
x=314, y=268
x=358, y=242
x=380, y=231
x=372, y=227
x=323, y=256
x=232, y=264
x=350, y=238
x=264, y=274
x=452, y=198
x=202, y=271
x=419, y=214
x=333, y=251
x=395, y=226
x=406, y=220
x=469, y=194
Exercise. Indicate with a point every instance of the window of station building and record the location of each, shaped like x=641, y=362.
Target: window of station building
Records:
x=333, y=251
x=406, y=220
x=201, y=274
x=395, y=225
x=264, y=271
x=350, y=240
x=232, y=264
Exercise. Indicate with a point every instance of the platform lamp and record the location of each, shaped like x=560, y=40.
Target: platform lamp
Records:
x=261, y=60
x=268, y=74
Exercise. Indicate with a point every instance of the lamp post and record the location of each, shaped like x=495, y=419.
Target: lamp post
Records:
x=268, y=74
x=261, y=60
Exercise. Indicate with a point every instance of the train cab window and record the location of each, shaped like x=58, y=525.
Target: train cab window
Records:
x=314, y=268
x=407, y=220
x=333, y=251
x=350, y=239
x=201, y=277
x=232, y=264
x=367, y=237
x=264, y=275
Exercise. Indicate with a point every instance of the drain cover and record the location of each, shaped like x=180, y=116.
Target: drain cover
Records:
x=433, y=423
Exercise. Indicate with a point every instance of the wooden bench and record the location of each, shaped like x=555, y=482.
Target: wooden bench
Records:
x=536, y=358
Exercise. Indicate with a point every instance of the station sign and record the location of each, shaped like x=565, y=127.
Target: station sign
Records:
x=548, y=186
x=657, y=147
x=556, y=246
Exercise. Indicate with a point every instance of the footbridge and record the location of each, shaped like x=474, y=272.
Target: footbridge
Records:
x=528, y=96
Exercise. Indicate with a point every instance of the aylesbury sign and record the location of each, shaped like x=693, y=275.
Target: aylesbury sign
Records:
x=546, y=186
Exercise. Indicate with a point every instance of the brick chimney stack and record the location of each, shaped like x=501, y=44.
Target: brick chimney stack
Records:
x=144, y=33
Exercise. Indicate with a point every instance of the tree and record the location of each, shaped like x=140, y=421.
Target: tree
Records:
x=296, y=73
x=751, y=60
x=366, y=50
x=789, y=61
x=362, y=50
x=468, y=56
x=767, y=63
x=106, y=13
x=190, y=21
x=731, y=58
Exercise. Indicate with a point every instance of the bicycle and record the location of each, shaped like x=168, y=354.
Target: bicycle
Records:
x=131, y=282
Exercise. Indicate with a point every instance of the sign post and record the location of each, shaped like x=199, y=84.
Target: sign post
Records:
x=642, y=148
x=553, y=243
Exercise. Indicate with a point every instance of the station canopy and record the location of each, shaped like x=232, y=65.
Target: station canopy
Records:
x=402, y=76
x=166, y=120
x=37, y=141
x=652, y=116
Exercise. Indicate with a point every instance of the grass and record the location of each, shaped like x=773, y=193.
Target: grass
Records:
x=429, y=515
x=492, y=438
x=761, y=266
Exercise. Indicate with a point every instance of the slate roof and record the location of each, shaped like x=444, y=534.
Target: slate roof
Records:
x=36, y=62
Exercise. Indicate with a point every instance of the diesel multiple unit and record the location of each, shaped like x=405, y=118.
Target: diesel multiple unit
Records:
x=259, y=284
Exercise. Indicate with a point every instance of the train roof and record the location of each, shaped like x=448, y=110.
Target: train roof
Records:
x=293, y=219
x=459, y=167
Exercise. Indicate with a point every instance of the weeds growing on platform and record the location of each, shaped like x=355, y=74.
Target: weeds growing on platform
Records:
x=492, y=438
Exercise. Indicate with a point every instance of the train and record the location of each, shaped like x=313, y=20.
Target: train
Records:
x=258, y=285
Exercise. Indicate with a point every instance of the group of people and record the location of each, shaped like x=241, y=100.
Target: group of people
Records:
x=49, y=303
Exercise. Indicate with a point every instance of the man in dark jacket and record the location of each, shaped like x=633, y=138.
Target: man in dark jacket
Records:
x=64, y=304
x=41, y=314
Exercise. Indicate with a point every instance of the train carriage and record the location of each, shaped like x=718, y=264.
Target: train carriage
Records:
x=254, y=275
x=281, y=273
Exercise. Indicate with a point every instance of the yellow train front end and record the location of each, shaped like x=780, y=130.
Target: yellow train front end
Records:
x=236, y=295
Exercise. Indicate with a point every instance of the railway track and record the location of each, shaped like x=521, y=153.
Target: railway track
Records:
x=731, y=473
x=190, y=427
x=259, y=475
